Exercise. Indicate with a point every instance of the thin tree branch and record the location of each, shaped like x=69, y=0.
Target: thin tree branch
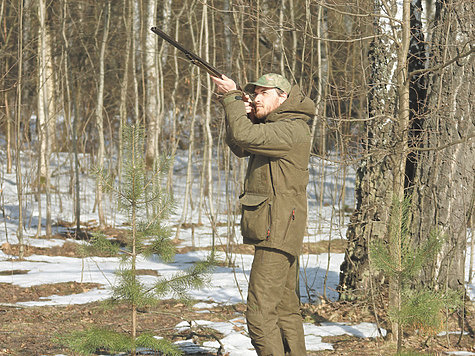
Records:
x=442, y=65
x=440, y=148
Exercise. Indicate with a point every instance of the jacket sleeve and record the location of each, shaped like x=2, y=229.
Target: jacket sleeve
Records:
x=236, y=149
x=274, y=139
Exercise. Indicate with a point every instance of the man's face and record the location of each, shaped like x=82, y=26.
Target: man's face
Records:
x=267, y=100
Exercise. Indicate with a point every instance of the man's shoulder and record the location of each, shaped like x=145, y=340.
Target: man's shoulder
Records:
x=296, y=123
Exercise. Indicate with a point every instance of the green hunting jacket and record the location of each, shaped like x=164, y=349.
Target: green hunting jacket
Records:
x=274, y=201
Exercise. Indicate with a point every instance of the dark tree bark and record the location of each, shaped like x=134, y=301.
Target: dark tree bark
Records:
x=440, y=166
x=446, y=166
x=417, y=90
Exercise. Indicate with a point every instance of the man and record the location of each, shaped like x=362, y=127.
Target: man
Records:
x=274, y=203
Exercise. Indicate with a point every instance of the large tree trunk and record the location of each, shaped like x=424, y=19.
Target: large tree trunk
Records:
x=374, y=176
x=441, y=175
x=446, y=164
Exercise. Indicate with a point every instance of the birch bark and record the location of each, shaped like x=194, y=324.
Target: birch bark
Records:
x=46, y=112
x=374, y=177
x=99, y=114
x=152, y=111
x=18, y=175
x=209, y=137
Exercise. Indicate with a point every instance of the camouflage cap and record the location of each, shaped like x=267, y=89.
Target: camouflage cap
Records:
x=271, y=80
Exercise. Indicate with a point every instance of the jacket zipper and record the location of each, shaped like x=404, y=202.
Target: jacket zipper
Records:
x=270, y=222
x=291, y=218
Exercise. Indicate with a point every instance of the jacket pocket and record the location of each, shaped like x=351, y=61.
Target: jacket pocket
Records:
x=256, y=216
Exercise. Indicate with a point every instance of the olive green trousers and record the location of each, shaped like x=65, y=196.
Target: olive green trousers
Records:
x=273, y=307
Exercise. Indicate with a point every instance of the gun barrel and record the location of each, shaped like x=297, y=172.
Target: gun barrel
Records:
x=195, y=59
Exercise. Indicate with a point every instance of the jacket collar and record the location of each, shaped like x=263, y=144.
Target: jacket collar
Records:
x=296, y=106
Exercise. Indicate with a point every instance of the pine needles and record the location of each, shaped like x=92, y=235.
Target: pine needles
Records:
x=413, y=305
x=96, y=340
x=141, y=195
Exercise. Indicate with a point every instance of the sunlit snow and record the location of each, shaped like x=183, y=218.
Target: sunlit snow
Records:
x=228, y=285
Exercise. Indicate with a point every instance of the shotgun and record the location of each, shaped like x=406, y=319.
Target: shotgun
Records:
x=200, y=62
x=195, y=59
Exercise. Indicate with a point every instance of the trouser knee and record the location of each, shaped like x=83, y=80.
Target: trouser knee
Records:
x=255, y=322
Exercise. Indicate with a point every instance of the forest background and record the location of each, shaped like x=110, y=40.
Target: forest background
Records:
x=392, y=82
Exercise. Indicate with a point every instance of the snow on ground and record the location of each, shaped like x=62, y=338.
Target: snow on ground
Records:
x=227, y=285
x=236, y=342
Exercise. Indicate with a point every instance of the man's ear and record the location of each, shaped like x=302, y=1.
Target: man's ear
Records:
x=283, y=97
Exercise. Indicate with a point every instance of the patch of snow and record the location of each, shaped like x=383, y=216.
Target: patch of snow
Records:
x=203, y=305
x=315, y=343
x=237, y=342
x=361, y=330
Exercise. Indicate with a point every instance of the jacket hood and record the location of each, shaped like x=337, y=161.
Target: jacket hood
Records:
x=296, y=106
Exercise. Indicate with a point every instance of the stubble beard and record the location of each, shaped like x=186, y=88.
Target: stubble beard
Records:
x=261, y=112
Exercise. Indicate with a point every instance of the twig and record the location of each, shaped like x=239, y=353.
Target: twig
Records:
x=442, y=65
x=11, y=305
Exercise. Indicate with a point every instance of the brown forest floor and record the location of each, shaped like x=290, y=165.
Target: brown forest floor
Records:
x=33, y=330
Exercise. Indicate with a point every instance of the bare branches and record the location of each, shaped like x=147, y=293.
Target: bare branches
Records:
x=441, y=66
x=443, y=147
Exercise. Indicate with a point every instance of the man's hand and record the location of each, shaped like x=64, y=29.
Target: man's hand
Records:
x=225, y=84
x=248, y=103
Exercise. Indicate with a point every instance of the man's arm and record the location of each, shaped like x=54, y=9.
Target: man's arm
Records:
x=225, y=85
x=236, y=149
x=274, y=139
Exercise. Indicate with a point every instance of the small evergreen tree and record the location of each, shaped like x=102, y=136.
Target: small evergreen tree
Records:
x=416, y=306
x=143, y=198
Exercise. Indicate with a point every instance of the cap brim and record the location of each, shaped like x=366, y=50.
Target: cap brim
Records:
x=250, y=87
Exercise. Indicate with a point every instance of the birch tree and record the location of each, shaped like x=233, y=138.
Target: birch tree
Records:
x=195, y=100
x=136, y=23
x=6, y=116
x=374, y=176
x=128, y=23
x=70, y=113
x=18, y=173
x=45, y=113
x=174, y=139
x=208, y=151
x=99, y=113
x=426, y=149
x=152, y=107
